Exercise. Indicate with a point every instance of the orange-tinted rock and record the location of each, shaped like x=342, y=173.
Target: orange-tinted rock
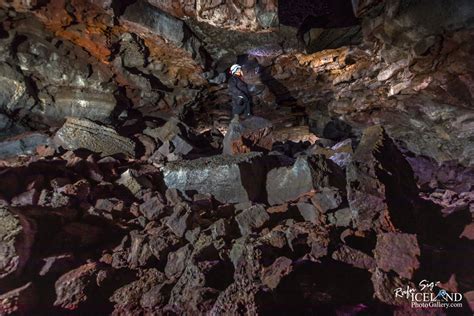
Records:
x=251, y=134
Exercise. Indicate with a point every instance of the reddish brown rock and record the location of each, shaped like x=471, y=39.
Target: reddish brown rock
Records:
x=468, y=232
x=152, y=208
x=272, y=275
x=127, y=298
x=397, y=252
x=385, y=285
x=76, y=287
x=354, y=257
x=252, y=134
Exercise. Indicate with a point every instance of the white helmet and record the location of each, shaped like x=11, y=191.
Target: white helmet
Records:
x=235, y=68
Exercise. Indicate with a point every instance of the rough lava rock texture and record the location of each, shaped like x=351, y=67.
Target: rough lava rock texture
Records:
x=126, y=189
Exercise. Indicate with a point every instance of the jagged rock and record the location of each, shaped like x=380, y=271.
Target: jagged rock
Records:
x=385, y=285
x=173, y=196
x=133, y=182
x=354, y=257
x=81, y=133
x=272, y=275
x=180, y=220
x=76, y=287
x=163, y=241
x=252, y=218
x=327, y=199
x=220, y=229
x=198, y=286
x=17, y=235
x=104, y=205
x=166, y=133
x=288, y=183
x=306, y=234
x=397, y=252
x=24, y=144
x=341, y=218
x=378, y=172
x=154, y=297
x=306, y=174
x=177, y=262
x=20, y=301
x=309, y=213
x=140, y=253
x=128, y=297
x=148, y=145
x=252, y=134
x=152, y=209
x=225, y=177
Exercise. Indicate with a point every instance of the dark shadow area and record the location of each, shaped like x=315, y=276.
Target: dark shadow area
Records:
x=308, y=14
x=119, y=6
x=3, y=33
x=281, y=93
x=322, y=289
x=337, y=130
x=253, y=176
x=155, y=83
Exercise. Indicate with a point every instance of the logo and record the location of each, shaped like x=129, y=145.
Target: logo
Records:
x=428, y=294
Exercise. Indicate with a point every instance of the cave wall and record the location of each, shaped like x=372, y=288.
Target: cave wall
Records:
x=405, y=64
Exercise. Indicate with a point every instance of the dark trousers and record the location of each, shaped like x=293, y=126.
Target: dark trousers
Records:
x=241, y=106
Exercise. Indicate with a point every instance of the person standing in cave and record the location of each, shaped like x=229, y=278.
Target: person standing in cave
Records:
x=238, y=89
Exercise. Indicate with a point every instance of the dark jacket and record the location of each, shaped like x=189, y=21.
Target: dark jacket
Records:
x=238, y=88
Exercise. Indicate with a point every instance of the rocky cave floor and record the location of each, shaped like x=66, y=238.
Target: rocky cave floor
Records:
x=126, y=190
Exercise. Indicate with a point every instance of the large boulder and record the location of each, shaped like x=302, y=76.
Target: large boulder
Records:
x=252, y=134
x=76, y=286
x=230, y=179
x=397, y=252
x=381, y=189
x=286, y=183
x=251, y=219
x=81, y=133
